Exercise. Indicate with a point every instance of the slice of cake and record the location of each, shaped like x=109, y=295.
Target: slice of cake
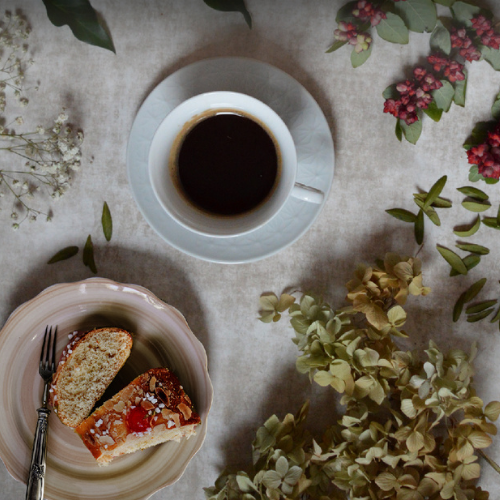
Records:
x=87, y=366
x=152, y=409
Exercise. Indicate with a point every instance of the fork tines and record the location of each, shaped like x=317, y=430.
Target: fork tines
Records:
x=49, y=364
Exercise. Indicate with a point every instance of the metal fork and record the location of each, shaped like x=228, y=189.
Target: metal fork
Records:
x=46, y=368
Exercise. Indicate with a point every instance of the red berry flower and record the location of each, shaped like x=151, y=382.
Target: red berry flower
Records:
x=366, y=11
x=468, y=50
x=485, y=31
x=487, y=155
x=452, y=70
x=426, y=80
x=345, y=32
x=481, y=25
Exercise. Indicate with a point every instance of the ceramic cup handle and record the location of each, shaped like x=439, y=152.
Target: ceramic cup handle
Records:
x=307, y=193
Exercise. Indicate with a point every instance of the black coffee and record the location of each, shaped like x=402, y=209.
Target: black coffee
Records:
x=227, y=164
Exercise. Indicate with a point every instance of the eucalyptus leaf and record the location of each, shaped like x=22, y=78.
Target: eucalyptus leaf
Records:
x=496, y=317
x=474, y=174
x=393, y=29
x=231, y=6
x=419, y=15
x=402, y=214
x=492, y=56
x=64, y=254
x=458, y=307
x=440, y=39
x=473, y=192
x=336, y=45
x=444, y=95
x=345, y=12
x=470, y=231
x=411, y=132
x=472, y=248
x=453, y=259
x=435, y=191
x=433, y=112
x=463, y=12
x=82, y=19
x=491, y=222
x=474, y=289
x=419, y=227
x=495, y=109
x=470, y=262
x=430, y=212
x=461, y=90
x=472, y=318
x=107, y=222
x=399, y=131
x=88, y=255
x=476, y=206
x=358, y=58
x=480, y=306
x=391, y=92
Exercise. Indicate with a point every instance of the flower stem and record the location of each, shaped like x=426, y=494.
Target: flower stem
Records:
x=489, y=460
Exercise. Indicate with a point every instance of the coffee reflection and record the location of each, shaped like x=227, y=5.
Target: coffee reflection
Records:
x=225, y=163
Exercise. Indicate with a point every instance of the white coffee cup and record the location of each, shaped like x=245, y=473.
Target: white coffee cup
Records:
x=175, y=127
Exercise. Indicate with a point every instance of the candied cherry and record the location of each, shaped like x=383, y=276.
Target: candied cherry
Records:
x=137, y=419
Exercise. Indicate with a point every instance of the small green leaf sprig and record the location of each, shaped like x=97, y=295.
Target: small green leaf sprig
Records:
x=88, y=249
x=412, y=429
x=483, y=148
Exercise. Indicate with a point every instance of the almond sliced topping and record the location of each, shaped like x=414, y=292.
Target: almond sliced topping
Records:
x=106, y=440
x=147, y=405
x=185, y=410
x=162, y=395
x=137, y=400
x=176, y=419
x=152, y=383
x=119, y=406
x=166, y=413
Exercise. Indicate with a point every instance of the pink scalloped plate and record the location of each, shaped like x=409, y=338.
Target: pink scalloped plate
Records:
x=162, y=337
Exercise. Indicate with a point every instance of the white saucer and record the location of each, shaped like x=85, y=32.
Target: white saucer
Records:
x=297, y=108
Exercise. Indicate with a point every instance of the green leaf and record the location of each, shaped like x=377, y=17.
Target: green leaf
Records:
x=399, y=131
x=419, y=227
x=470, y=261
x=495, y=109
x=453, y=259
x=391, y=92
x=231, y=6
x=461, y=90
x=472, y=318
x=358, y=58
x=402, y=214
x=496, y=317
x=393, y=29
x=107, y=222
x=469, y=232
x=476, y=206
x=446, y=3
x=480, y=306
x=440, y=39
x=419, y=15
x=82, y=19
x=458, y=308
x=430, y=212
x=472, y=248
x=437, y=203
x=474, y=289
x=473, y=192
x=444, y=95
x=345, y=12
x=479, y=134
x=435, y=191
x=491, y=222
x=474, y=174
x=64, y=254
x=492, y=56
x=88, y=255
x=463, y=12
x=433, y=112
x=411, y=132
x=335, y=46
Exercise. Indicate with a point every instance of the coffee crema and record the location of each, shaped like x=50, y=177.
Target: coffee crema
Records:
x=225, y=163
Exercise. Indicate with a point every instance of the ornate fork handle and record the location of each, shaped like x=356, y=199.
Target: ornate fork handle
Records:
x=36, y=478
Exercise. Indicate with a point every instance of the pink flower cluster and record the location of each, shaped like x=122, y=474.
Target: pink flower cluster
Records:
x=487, y=155
x=348, y=32
x=460, y=40
x=366, y=11
x=484, y=30
x=451, y=69
x=413, y=95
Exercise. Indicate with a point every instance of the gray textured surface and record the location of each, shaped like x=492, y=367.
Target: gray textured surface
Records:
x=251, y=364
